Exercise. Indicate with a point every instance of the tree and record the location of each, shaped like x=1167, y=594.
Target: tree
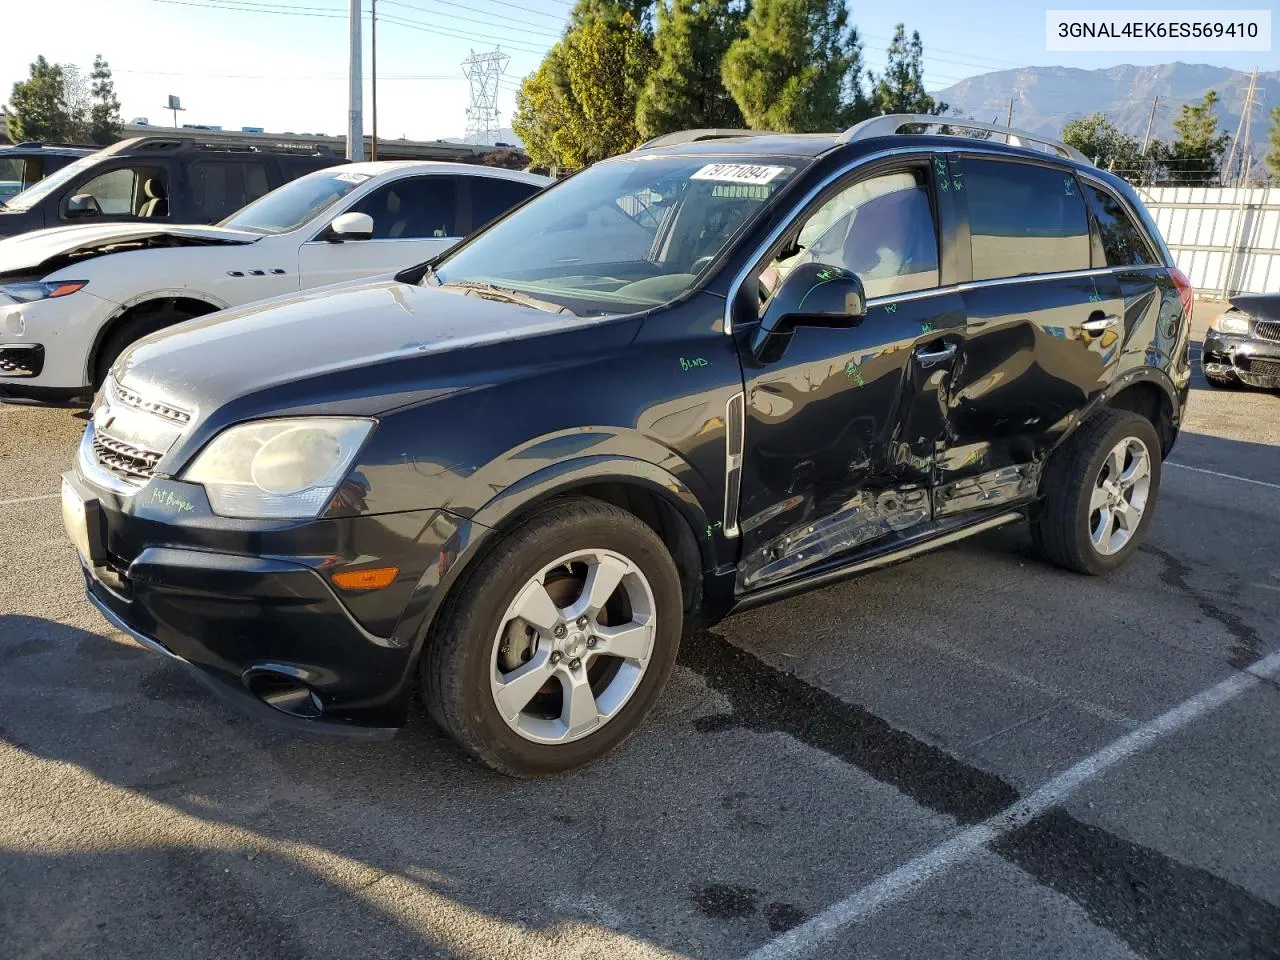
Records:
x=1195, y=154
x=797, y=67
x=506, y=158
x=105, y=124
x=607, y=65
x=79, y=100
x=1273, y=157
x=544, y=112
x=38, y=106
x=1102, y=142
x=685, y=90
x=900, y=89
x=611, y=12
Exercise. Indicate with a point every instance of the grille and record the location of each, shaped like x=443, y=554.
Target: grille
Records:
x=130, y=399
x=21, y=362
x=1267, y=329
x=1264, y=368
x=125, y=461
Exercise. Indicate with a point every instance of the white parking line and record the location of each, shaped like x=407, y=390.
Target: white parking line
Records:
x=43, y=496
x=904, y=881
x=1225, y=476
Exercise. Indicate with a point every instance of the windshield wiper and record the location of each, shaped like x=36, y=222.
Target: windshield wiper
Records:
x=491, y=292
x=429, y=272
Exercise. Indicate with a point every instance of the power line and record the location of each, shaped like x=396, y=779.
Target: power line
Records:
x=505, y=3
x=517, y=25
x=415, y=25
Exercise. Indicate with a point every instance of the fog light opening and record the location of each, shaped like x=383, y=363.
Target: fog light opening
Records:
x=284, y=693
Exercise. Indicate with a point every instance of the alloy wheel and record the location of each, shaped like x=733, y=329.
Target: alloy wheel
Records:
x=1119, y=496
x=573, y=646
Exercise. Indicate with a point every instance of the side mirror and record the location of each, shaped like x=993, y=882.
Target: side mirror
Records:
x=350, y=226
x=83, y=205
x=812, y=295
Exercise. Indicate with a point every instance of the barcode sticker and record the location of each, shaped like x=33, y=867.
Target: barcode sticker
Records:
x=737, y=173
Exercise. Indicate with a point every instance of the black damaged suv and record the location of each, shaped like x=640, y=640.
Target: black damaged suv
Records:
x=713, y=372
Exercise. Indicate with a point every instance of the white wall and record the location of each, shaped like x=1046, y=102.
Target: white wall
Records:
x=1226, y=240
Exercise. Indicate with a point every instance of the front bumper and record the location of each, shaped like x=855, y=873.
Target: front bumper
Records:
x=250, y=607
x=1250, y=360
x=45, y=344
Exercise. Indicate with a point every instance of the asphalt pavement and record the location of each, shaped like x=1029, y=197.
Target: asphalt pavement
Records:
x=970, y=755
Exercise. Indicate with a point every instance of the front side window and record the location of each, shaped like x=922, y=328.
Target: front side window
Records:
x=289, y=207
x=881, y=228
x=12, y=173
x=415, y=208
x=1124, y=244
x=621, y=236
x=1024, y=219
x=139, y=191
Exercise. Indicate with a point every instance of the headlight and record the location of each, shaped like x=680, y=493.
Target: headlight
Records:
x=26, y=292
x=278, y=469
x=1233, y=321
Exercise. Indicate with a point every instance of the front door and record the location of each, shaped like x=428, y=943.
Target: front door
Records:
x=841, y=430
x=414, y=219
x=1043, y=330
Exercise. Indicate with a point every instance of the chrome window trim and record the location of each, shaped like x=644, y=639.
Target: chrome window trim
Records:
x=959, y=148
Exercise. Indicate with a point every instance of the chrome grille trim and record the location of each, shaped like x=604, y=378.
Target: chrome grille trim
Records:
x=1267, y=329
x=130, y=463
x=168, y=411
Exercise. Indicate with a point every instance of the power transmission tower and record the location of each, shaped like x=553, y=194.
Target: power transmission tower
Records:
x=1240, y=143
x=484, y=71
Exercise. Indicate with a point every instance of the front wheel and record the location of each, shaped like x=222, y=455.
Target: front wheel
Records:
x=556, y=648
x=1099, y=493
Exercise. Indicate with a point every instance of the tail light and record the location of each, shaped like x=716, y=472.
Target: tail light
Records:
x=1185, y=293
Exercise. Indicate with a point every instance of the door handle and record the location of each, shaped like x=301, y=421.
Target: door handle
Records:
x=931, y=358
x=1096, y=324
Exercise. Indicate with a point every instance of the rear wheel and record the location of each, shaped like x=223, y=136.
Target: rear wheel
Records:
x=555, y=649
x=1099, y=493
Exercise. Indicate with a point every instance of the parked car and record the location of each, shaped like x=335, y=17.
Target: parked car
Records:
x=72, y=299
x=1243, y=343
x=695, y=378
x=154, y=179
x=26, y=163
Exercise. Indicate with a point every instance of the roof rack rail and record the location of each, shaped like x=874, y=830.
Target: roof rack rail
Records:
x=52, y=143
x=693, y=136
x=890, y=124
x=181, y=143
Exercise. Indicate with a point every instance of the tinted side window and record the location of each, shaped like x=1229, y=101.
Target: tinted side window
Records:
x=881, y=228
x=413, y=209
x=491, y=197
x=1024, y=219
x=1124, y=243
x=141, y=191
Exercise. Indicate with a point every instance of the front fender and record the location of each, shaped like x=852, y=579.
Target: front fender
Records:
x=458, y=542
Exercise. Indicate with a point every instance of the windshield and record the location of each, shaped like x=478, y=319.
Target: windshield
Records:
x=51, y=184
x=622, y=236
x=292, y=205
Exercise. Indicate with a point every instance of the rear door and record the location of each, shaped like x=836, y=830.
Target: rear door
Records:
x=841, y=430
x=414, y=218
x=1042, y=328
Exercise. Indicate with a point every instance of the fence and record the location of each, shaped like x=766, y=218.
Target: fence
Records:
x=1225, y=239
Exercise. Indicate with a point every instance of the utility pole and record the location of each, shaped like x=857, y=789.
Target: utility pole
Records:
x=373, y=51
x=355, y=113
x=1009, y=121
x=1246, y=160
x=1146, y=140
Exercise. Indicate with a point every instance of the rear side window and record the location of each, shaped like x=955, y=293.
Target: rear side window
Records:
x=491, y=197
x=1124, y=243
x=221, y=187
x=1024, y=219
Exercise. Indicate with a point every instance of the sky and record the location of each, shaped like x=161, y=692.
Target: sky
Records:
x=281, y=64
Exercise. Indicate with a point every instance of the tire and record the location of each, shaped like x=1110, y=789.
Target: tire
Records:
x=1069, y=520
x=126, y=332
x=479, y=644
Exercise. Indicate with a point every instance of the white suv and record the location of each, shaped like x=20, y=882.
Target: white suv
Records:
x=72, y=298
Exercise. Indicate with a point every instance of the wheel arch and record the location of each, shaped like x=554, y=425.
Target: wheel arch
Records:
x=192, y=302
x=652, y=494
x=1151, y=394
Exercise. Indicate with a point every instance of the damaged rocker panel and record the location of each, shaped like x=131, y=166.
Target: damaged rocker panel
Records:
x=993, y=488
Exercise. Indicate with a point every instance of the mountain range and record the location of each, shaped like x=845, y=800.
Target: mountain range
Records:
x=1045, y=98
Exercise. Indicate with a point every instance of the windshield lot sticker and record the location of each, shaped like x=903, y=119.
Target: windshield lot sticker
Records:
x=166, y=499
x=353, y=177
x=737, y=173
x=686, y=364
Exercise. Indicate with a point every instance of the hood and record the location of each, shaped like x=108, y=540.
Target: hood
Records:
x=1261, y=306
x=211, y=360
x=52, y=249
